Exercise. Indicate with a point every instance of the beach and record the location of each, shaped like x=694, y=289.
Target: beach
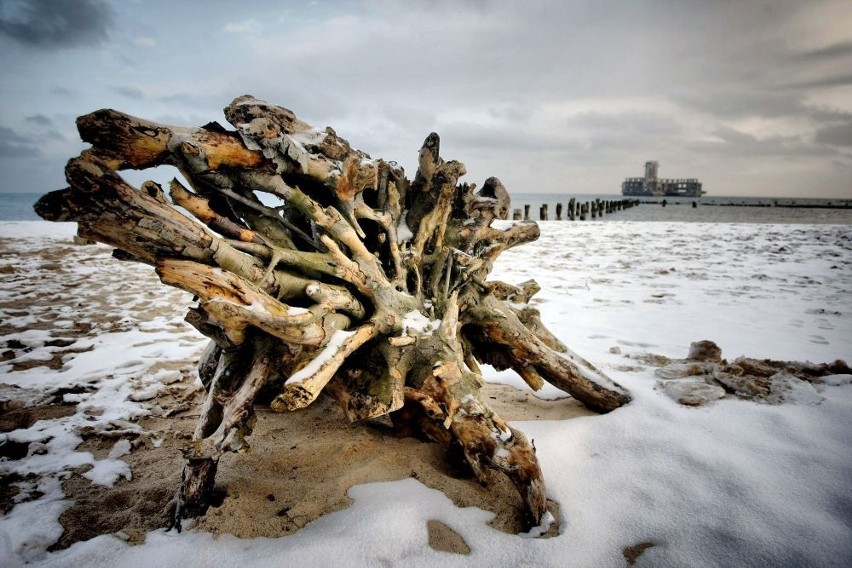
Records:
x=99, y=393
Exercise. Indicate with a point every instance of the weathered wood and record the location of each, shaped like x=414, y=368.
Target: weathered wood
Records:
x=196, y=490
x=501, y=339
x=359, y=283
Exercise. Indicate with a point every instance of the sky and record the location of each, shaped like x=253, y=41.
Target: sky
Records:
x=752, y=98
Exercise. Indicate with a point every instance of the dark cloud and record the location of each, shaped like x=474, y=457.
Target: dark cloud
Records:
x=735, y=144
x=129, y=92
x=829, y=115
x=843, y=49
x=843, y=80
x=15, y=145
x=543, y=90
x=52, y=24
x=42, y=129
x=743, y=102
x=39, y=120
x=835, y=135
x=61, y=91
x=617, y=124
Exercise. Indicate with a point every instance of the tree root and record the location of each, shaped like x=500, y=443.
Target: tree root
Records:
x=359, y=282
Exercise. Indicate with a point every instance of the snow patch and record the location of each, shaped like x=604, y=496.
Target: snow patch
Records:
x=415, y=323
x=329, y=351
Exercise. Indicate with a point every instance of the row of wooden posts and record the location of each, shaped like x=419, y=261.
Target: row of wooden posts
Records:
x=577, y=210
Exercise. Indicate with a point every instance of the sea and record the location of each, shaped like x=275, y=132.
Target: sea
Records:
x=705, y=209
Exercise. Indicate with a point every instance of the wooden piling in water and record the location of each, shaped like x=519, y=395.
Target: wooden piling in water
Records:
x=596, y=208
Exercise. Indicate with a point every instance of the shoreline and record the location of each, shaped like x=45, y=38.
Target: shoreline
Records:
x=99, y=393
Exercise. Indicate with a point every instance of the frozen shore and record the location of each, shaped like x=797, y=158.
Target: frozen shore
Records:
x=98, y=392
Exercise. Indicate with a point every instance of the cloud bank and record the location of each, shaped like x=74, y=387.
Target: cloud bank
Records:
x=56, y=24
x=751, y=97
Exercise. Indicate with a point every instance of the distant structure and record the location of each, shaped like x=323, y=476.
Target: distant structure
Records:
x=651, y=185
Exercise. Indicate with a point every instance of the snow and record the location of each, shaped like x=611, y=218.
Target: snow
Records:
x=837, y=380
x=730, y=483
x=546, y=521
x=106, y=472
x=28, y=529
x=310, y=137
x=403, y=233
x=415, y=323
x=329, y=351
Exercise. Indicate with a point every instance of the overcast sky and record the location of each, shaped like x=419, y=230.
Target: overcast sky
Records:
x=752, y=98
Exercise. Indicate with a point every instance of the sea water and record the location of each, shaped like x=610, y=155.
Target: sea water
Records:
x=702, y=209
x=19, y=207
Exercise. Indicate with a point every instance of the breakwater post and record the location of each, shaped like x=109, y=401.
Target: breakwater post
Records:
x=595, y=208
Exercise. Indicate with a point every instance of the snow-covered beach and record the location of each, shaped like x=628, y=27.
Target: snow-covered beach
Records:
x=97, y=371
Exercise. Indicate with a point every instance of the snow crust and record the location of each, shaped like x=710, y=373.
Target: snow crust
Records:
x=733, y=483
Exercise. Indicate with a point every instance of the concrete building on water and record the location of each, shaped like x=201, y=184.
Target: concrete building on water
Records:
x=651, y=185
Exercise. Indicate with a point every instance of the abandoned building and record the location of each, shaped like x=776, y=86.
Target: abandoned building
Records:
x=651, y=185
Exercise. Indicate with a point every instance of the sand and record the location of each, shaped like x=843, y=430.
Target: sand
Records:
x=301, y=464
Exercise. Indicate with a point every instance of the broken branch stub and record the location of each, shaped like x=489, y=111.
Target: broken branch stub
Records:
x=358, y=282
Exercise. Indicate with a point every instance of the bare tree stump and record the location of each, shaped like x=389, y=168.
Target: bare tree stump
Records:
x=359, y=282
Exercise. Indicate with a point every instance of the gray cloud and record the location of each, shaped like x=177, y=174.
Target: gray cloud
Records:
x=829, y=115
x=42, y=129
x=61, y=91
x=740, y=102
x=835, y=135
x=15, y=145
x=734, y=144
x=842, y=49
x=52, y=24
x=543, y=93
x=39, y=120
x=129, y=92
x=617, y=124
x=832, y=80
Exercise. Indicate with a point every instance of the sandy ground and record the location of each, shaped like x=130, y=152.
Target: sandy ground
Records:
x=301, y=464
x=300, y=467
